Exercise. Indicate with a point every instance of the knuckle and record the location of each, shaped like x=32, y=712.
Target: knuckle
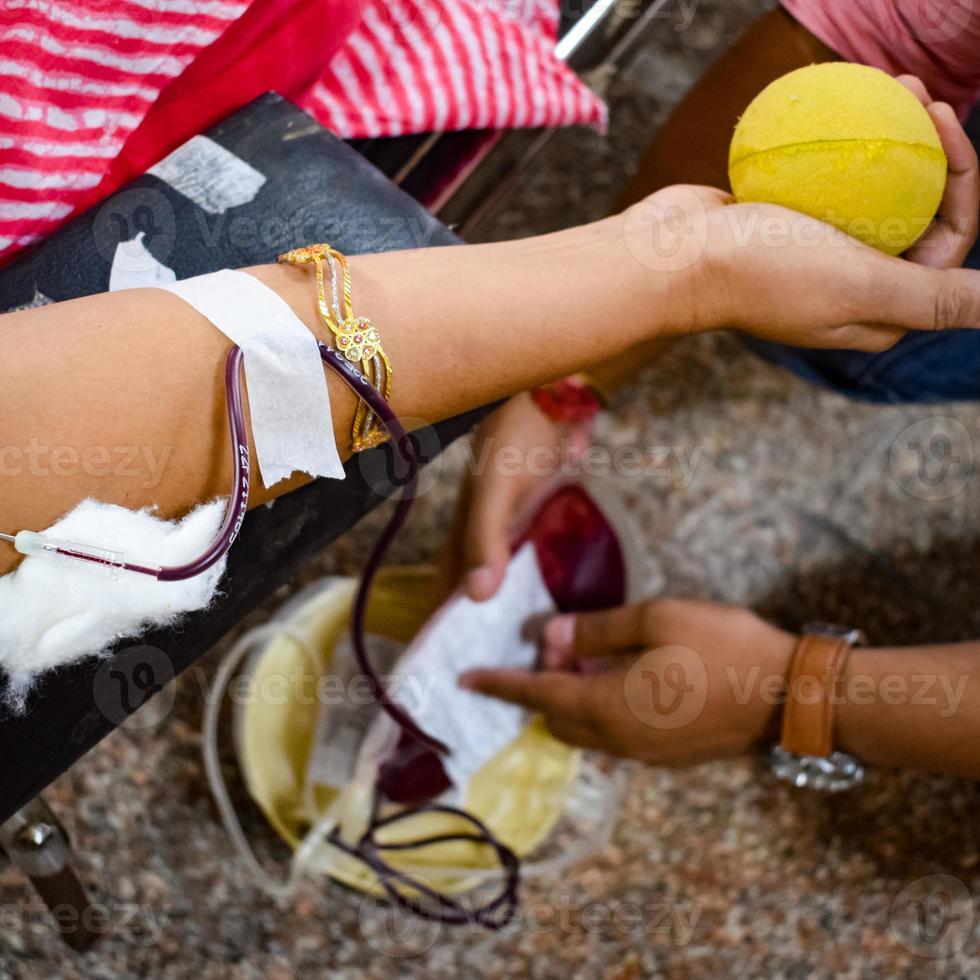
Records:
x=533, y=691
x=590, y=629
x=950, y=305
x=582, y=705
x=582, y=708
x=655, y=613
x=649, y=616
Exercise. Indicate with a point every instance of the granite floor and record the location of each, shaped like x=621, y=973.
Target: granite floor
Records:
x=794, y=500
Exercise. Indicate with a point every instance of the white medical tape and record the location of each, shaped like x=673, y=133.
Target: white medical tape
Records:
x=287, y=391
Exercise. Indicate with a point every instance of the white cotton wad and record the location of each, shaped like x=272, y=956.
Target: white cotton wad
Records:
x=54, y=612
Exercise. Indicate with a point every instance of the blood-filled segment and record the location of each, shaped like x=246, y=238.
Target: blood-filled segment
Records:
x=579, y=553
x=582, y=564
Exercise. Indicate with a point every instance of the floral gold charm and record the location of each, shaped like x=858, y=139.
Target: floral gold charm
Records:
x=358, y=339
x=354, y=336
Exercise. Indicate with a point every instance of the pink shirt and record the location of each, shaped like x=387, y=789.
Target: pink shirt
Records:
x=938, y=40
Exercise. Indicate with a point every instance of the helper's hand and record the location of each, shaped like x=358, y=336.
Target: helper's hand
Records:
x=787, y=277
x=669, y=682
x=516, y=452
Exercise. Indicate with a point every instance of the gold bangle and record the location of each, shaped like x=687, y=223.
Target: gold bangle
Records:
x=356, y=337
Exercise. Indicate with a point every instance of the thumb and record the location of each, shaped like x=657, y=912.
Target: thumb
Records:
x=486, y=535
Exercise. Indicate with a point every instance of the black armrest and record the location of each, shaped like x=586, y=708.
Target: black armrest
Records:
x=316, y=189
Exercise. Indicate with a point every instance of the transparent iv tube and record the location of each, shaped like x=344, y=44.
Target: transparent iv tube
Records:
x=34, y=545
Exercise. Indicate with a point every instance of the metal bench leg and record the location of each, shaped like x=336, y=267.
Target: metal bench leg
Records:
x=35, y=842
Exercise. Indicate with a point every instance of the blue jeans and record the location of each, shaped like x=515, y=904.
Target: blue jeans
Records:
x=921, y=367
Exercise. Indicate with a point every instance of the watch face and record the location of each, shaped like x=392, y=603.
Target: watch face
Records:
x=834, y=774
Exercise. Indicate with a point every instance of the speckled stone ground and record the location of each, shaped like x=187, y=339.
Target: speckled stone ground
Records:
x=798, y=502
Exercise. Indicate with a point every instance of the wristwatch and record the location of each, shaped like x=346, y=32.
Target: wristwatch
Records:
x=805, y=754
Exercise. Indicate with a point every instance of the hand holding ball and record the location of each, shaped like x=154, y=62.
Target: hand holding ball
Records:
x=846, y=144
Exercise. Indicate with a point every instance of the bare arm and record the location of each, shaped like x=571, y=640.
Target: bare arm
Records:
x=914, y=707
x=909, y=707
x=120, y=396
x=141, y=370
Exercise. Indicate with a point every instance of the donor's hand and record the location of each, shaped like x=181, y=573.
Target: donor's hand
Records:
x=786, y=277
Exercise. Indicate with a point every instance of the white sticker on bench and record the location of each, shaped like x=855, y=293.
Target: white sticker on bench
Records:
x=211, y=176
x=287, y=390
x=134, y=267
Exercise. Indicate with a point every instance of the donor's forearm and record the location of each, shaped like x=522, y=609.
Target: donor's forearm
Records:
x=121, y=396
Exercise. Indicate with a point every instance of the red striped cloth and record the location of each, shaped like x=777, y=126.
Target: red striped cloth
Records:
x=78, y=77
x=421, y=65
x=938, y=40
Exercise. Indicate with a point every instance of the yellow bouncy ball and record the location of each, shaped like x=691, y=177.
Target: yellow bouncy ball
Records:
x=844, y=143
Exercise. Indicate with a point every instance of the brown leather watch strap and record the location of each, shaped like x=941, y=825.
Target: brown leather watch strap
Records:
x=808, y=718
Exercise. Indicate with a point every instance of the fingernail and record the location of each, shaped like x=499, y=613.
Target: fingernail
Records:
x=553, y=658
x=479, y=583
x=466, y=680
x=559, y=633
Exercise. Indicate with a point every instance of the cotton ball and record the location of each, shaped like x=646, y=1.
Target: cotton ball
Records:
x=56, y=612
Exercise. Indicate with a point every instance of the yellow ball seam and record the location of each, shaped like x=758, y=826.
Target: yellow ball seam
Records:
x=924, y=148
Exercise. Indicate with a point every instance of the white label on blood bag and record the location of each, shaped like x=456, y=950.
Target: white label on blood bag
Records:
x=502, y=632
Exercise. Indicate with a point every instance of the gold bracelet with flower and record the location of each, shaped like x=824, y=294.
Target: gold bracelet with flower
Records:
x=356, y=337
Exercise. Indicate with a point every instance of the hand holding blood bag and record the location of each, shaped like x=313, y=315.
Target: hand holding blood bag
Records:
x=582, y=566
